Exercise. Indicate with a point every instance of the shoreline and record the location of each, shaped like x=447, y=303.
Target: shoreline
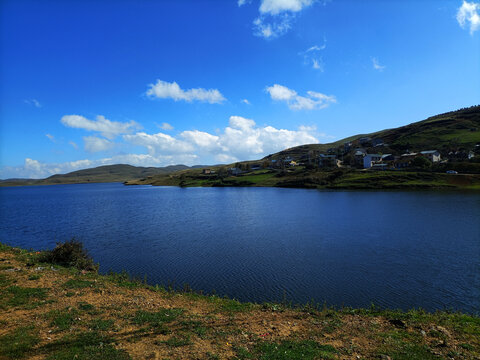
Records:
x=59, y=311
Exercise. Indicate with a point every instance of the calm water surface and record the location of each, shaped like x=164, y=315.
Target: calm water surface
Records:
x=395, y=249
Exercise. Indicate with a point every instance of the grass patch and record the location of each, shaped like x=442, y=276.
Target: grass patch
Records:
x=5, y=280
x=413, y=352
x=233, y=306
x=288, y=350
x=156, y=319
x=101, y=324
x=123, y=279
x=78, y=284
x=195, y=327
x=22, y=296
x=62, y=319
x=34, y=277
x=86, y=306
x=18, y=343
x=178, y=341
x=85, y=346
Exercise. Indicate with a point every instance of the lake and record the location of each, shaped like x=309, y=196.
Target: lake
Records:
x=394, y=249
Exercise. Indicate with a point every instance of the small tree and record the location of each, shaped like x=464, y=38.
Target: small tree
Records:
x=421, y=163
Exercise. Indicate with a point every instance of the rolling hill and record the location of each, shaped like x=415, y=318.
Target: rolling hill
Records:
x=107, y=173
x=452, y=131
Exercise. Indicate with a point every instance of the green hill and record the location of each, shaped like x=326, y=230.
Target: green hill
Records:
x=107, y=173
x=449, y=132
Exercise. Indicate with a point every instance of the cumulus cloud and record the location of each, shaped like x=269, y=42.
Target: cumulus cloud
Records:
x=166, y=126
x=313, y=100
x=242, y=139
x=96, y=144
x=376, y=65
x=159, y=143
x=468, y=15
x=107, y=128
x=33, y=102
x=166, y=90
x=245, y=101
x=277, y=16
x=275, y=7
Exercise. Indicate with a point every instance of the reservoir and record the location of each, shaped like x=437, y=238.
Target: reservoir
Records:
x=394, y=249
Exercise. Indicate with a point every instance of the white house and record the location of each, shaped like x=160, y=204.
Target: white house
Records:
x=432, y=155
x=369, y=159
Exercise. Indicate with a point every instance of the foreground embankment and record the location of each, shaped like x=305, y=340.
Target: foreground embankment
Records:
x=53, y=312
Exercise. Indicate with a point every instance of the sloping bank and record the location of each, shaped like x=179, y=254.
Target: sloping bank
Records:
x=49, y=311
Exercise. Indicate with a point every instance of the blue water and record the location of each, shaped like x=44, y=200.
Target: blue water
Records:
x=394, y=249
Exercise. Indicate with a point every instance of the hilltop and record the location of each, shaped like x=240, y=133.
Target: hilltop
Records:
x=53, y=312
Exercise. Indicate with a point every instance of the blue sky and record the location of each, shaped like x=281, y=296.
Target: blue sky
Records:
x=154, y=83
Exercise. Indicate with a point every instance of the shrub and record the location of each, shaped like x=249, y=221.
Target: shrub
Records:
x=70, y=254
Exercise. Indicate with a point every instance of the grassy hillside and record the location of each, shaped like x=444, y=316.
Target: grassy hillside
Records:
x=452, y=131
x=107, y=173
x=300, y=177
x=51, y=312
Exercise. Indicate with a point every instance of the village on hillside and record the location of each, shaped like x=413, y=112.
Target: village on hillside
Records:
x=364, y=153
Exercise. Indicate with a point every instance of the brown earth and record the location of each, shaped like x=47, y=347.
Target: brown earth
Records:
x=210, y=327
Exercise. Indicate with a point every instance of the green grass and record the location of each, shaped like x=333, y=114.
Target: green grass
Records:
x=288, y=350
x=177, y=341
x=18, y=343
x=20, y=296
x=62, y=319
x=232, y=306
x=195, y=327
x=85, y=346
x=78, y=284
x=34, y=277
x=5, y=280
x=156, y=319
x=101, y=324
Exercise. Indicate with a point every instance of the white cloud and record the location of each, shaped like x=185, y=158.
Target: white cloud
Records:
x=376, y=65
x=33, y=102
x=243, y=2
x=280, y=92
x=96, y=144
x=200, y=139
x=468, y=13
x=245, y=101
x=277, y=16
x=312, y=56
x=272, y=28
x=166, y=126
x=159, y=143
x=275, y=7
x=313, y=100
x=50, y=137
x=73, y=144
x=165, y=90
x=241, y=139
x=108, y=129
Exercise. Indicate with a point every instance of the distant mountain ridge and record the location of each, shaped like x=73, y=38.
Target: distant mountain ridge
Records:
x=105, y=173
